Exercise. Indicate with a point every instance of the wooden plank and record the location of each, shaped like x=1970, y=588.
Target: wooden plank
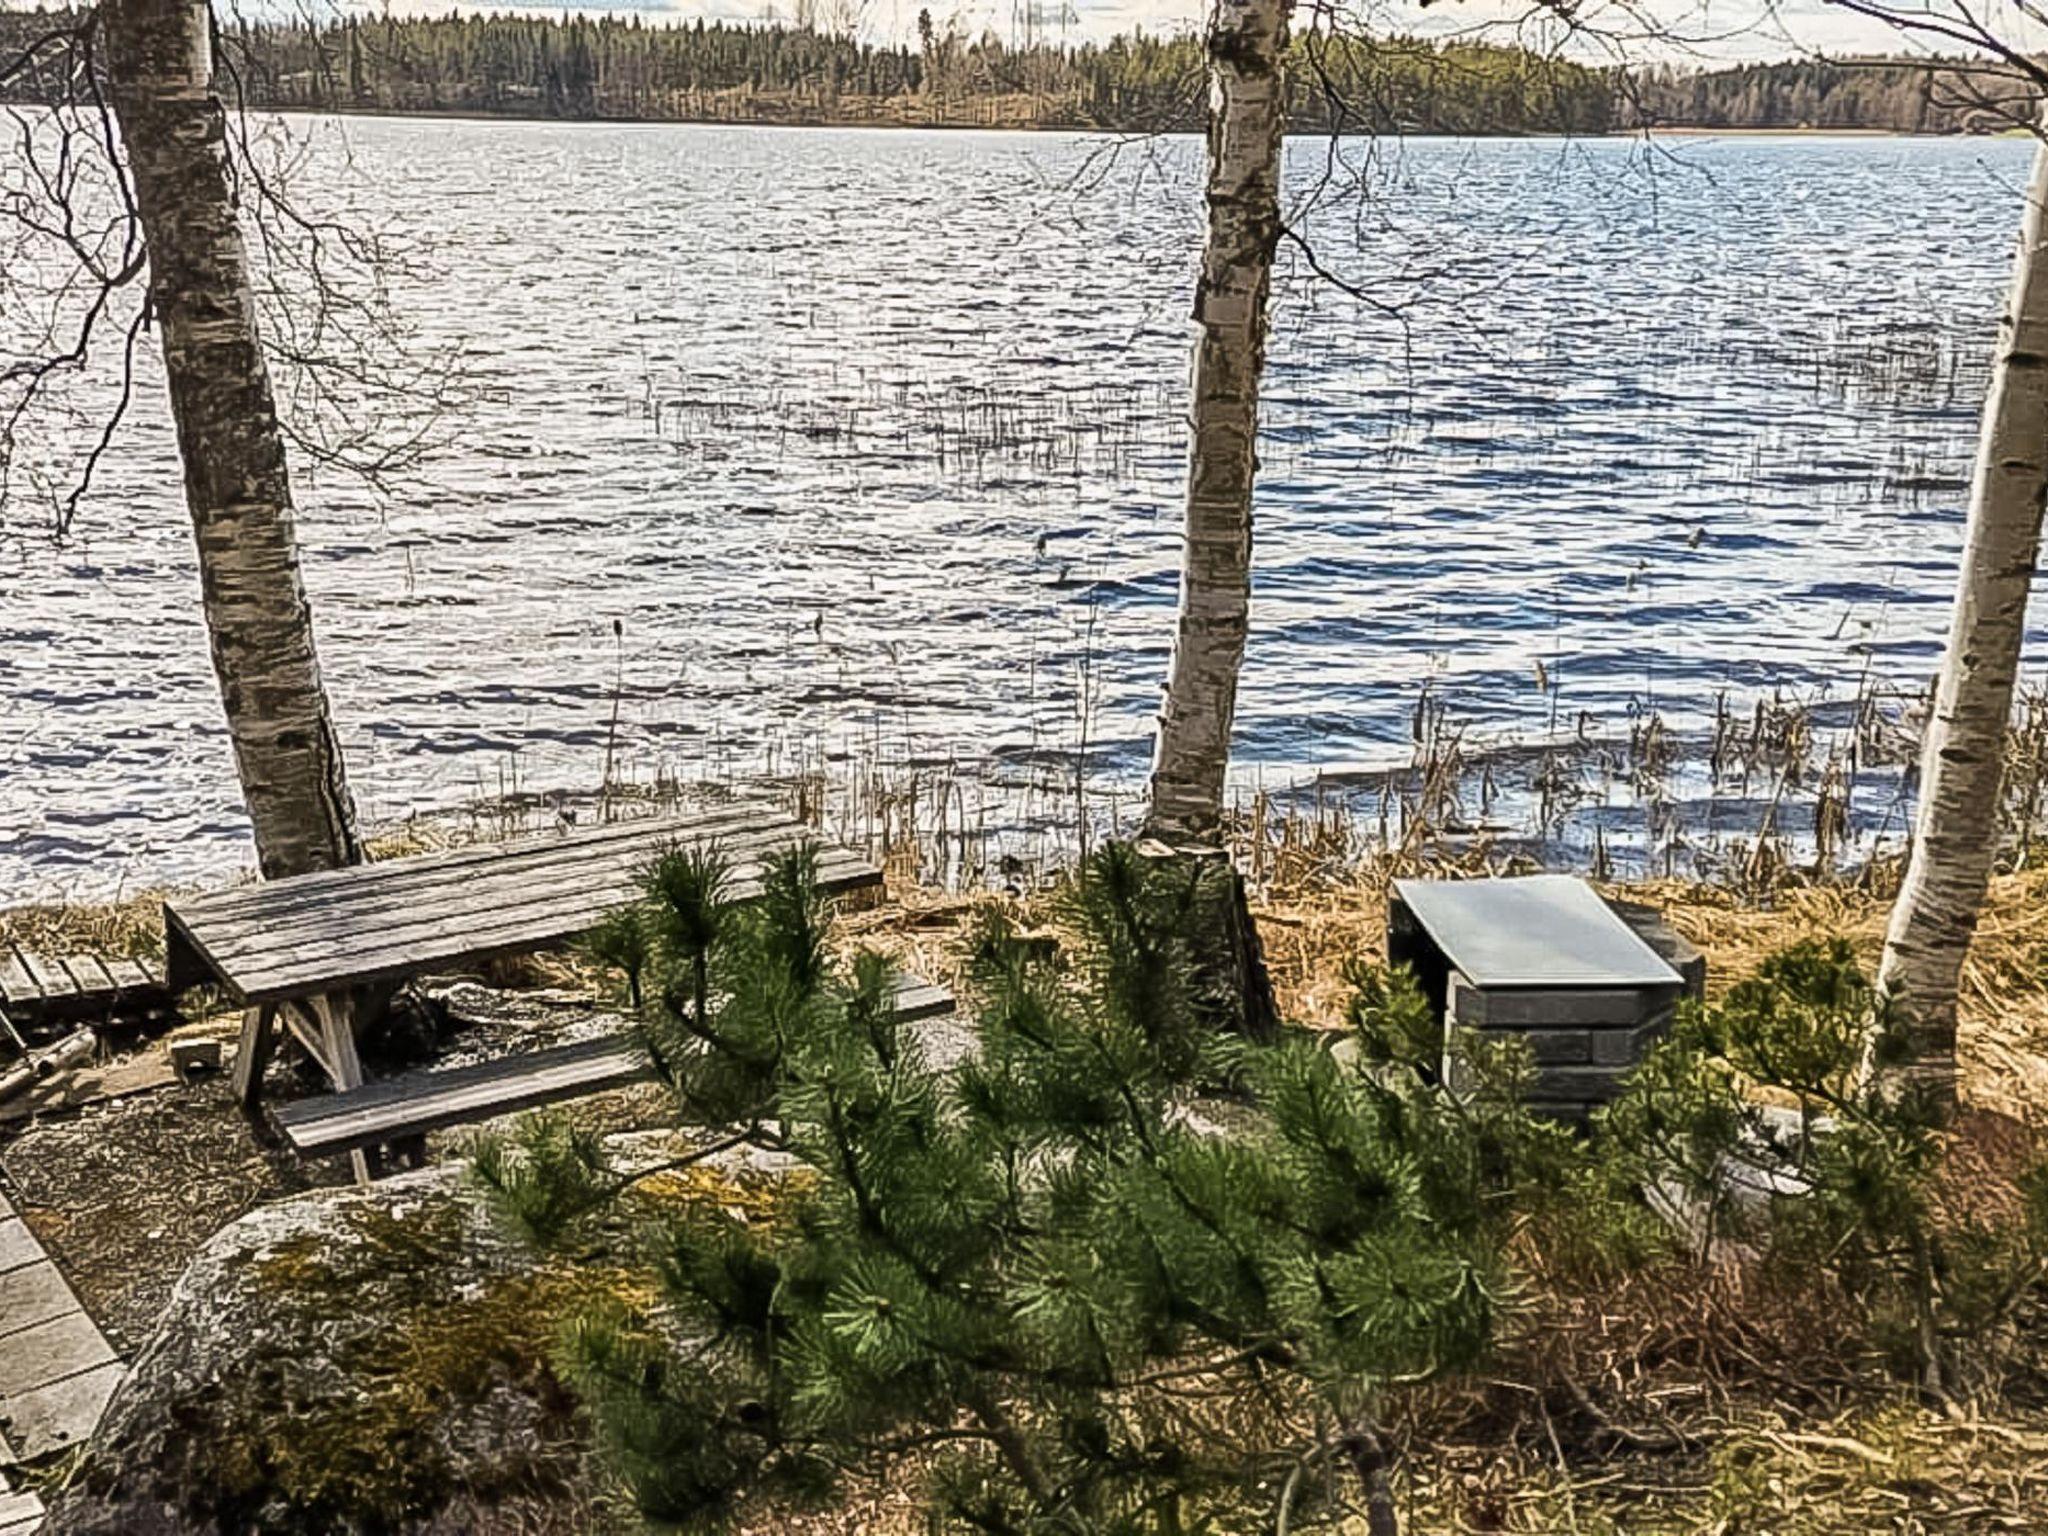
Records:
x=381, y=891
x=17, y=985
x=18, y=1246
x=132, y=975
x=347, y=958
x=610, y=882
x=98, y=975
x=411, y=1085
x=76, y=977
x=305, y=1028
x=556, y=911
x=64, y=1346
x=917, y=1000
x=50, y=974
x=58, y=1414
x=21, y=1514
x=424, y=871
x=541, y=1078
x=204, y=934
x=252, y=1056
x=33, y=1294
x=51, y=988
x=616, y=873
x=430, y=1101
x=91, y=1085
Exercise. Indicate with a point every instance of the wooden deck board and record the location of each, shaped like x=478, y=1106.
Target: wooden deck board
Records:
x=67, y=1345
x=21, y=1514
x=33, y=1294
x=58, y=1414
x=36, y=987
x=18, y=1246
x=56, y=1367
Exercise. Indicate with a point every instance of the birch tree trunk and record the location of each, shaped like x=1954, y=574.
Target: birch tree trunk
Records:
x=1247, y=119
x=1956, y=828
x=174, y=130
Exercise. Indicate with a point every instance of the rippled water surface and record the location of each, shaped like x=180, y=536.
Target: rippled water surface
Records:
x=871, y=442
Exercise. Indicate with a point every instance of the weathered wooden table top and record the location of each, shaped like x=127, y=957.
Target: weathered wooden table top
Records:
x=316, y=934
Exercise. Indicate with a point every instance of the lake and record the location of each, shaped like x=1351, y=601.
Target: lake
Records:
x=870, y=445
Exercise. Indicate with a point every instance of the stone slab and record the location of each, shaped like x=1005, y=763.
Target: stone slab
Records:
x=1561, y=1047
x=33, y=1294
x=18, y=1246
x=1566, y=1007
x=6, y=1207
x=1586, y=1085
x=1676, y=951
x=59, y=1413
x=1532, y=931
x=64, y=1346
x=1627, y=1047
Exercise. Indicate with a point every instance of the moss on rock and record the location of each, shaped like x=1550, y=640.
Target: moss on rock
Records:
x=354, y=1361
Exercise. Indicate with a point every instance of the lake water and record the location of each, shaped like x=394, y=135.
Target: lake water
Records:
x=870, y=444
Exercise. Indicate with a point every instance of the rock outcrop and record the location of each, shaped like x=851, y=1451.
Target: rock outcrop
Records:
x=354, y=1361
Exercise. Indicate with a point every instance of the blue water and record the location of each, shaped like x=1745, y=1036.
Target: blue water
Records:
x=871, y=444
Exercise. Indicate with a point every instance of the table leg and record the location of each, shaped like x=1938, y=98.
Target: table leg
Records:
x=338, y=1034
x=306, y=1025
x=252, y=1056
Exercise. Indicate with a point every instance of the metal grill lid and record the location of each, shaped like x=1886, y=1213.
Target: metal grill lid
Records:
x=1534, y=931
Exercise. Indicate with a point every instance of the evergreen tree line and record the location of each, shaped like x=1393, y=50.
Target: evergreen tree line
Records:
x=604, y=67
x=1899, y=96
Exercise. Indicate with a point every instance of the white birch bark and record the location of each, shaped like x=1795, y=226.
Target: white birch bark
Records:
x=173, y=127
x=1247, y=121
x=1956, y=827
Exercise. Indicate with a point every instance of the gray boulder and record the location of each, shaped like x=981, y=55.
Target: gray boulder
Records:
x=354, y=1361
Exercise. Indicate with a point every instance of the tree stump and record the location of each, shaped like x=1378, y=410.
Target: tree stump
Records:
x=1232, y=983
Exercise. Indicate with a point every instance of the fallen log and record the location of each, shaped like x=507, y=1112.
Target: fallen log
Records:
x=73, y=1050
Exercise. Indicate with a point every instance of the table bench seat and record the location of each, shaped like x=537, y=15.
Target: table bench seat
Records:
x=399, y=1109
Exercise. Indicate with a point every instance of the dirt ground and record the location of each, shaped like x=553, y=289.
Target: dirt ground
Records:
x=123, y=1192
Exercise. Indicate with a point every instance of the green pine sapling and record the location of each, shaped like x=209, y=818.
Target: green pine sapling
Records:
x=1756, y=1117
x=1109, y=1271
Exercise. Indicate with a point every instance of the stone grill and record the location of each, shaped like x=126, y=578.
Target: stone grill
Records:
x=1589, y=985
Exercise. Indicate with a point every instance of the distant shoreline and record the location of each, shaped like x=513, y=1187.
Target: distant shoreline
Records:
x=960, y=125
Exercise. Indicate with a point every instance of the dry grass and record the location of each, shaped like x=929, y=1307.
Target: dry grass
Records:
x=1310, y=928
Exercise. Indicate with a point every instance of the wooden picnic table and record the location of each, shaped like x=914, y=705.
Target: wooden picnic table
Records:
x=324, y=954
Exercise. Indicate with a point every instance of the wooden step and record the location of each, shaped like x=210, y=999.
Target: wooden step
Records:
x=57, y=1369
x=21, y=1514
x=41, y=989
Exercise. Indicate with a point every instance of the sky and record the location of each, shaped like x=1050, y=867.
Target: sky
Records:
x=1707, y=31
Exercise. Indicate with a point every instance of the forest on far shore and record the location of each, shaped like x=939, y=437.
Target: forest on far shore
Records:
x=603, y=67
